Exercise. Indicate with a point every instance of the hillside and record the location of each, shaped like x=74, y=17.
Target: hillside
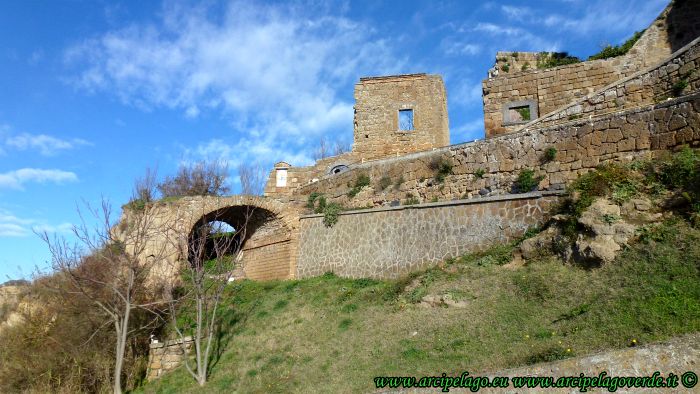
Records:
x=481, y=312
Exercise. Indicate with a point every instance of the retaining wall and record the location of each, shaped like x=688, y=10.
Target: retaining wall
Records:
x=389, y=242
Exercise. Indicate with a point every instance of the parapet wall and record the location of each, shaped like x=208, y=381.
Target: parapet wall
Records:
x=389, y=242
x=581, y=145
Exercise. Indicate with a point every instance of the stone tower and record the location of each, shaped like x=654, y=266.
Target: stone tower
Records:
x=399, y=114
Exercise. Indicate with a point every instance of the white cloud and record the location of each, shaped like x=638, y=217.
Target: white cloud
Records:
x=274, y=62
x=17, y=178
x=45, y=144
x=280, y=73
x=516, y=13
x=460, y=48
x=13, y=226
x=64, y=228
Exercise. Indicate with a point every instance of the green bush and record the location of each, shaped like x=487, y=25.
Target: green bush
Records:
x=527, y=181
x=618, y=50
x=330, y=214
x=679, y=87
x=479, y=172
x=361, y=181
x=442, y=167
x=550, y=154
x=524, y=113
x=312, y=199
x=555, y=59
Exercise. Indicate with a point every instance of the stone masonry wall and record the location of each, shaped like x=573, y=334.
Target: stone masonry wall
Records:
x=389, y=242
x=166, y=356
x=581, y=145
x=550, y=89
x=377, y=104
x=666, y=80
x=547, y=89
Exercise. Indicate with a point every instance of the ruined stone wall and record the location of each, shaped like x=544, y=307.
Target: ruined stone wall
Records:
x=549, y=89
x=389, y=242
x=661, y=82
x=580, y=145
x=546, y=90
x=377, y=104
x=166, y=356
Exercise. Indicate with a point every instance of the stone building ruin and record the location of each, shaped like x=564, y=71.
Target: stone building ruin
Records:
x=427, y=200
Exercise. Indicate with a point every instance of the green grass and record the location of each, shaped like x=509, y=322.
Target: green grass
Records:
x=331, y=334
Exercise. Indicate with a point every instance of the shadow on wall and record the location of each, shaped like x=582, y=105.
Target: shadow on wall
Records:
x=683, y=23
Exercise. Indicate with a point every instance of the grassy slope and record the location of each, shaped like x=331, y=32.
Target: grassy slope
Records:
x=329, y=334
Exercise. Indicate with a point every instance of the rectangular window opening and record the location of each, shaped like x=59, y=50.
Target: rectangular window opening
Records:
x=520, y=114
x=405, y=119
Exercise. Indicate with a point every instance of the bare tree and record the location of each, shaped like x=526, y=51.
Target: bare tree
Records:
x=341, y=147
x=326, y=149
x=322, y=151
x=212, y=249
x=145, y=186
x=199, y=179
x=252, y=177
x=109, y=270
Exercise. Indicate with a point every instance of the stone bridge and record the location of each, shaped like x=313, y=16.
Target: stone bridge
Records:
x=271, y=236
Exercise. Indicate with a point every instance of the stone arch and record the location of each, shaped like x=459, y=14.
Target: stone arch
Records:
x=270, y=244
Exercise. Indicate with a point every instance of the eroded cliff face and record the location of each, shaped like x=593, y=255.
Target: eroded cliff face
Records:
x=11, y=304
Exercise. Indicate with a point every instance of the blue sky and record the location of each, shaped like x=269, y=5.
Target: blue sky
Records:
x=93, y=92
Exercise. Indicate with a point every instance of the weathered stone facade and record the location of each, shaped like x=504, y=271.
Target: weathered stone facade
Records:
x=378, y=101
x=389, y=242
x=515, y=78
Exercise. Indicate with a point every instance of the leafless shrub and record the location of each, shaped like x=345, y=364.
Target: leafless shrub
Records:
x=326, y=149
x=253, y=178
x=145, y=186
x=199, y=179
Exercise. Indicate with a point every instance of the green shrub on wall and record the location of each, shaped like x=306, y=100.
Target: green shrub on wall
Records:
x=527, y=181
x=330, y=214
x=361, y=181
x=550, y=154
x=442, y=167
x=618, y=50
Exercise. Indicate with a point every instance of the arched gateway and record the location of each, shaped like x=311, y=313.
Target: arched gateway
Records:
x=271, y=236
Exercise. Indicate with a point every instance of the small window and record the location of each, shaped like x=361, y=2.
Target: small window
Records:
x=405, y=119
x=281, y=178
x=519, y=112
